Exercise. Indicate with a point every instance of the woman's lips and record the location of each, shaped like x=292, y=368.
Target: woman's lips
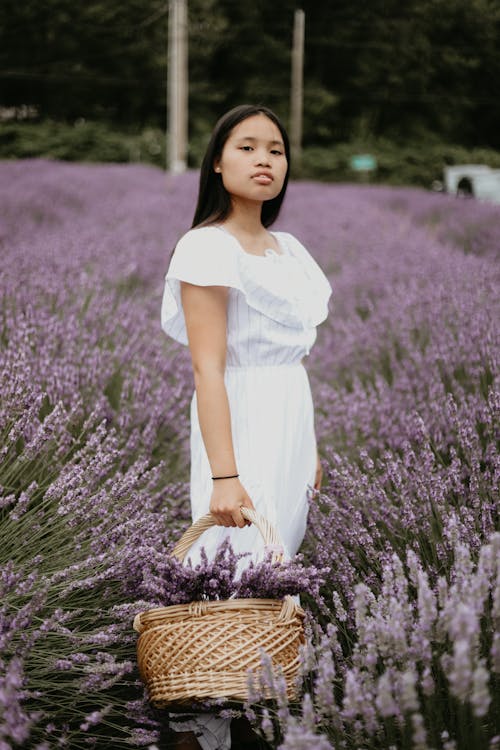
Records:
x=262, y=179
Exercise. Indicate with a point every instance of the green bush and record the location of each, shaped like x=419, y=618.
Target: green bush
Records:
x=397, y=164
x=412, y=163
x=82, y=141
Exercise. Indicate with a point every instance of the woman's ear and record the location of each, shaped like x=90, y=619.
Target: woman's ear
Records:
x=216, y=166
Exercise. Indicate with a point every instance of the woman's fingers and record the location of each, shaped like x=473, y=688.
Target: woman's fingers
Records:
x=223, y=519
x=319, y=474
x=227, y=521
x=247, y=503
x=227, y=511
x=239, y=520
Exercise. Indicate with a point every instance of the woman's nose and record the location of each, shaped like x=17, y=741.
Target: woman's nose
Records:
x=262, y=157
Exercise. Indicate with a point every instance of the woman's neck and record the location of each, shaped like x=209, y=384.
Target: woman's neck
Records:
x=245, y=217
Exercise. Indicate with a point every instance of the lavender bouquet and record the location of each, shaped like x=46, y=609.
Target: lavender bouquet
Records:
x=163, y=580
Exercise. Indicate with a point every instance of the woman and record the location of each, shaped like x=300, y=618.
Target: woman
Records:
x=247, y=302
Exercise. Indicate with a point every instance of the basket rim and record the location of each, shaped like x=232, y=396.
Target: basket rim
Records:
x=203, y=608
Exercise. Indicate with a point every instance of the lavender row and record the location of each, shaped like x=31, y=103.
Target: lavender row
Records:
x=93, y=451
x=406, y=380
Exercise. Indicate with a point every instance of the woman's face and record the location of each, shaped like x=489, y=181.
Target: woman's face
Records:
x=253, y=163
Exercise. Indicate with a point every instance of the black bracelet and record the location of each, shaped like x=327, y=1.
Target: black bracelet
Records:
x=231, y=476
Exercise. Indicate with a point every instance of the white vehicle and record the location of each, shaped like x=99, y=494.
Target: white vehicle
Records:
x=473, y=181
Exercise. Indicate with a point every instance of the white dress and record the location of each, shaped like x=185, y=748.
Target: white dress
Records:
x=275, y=303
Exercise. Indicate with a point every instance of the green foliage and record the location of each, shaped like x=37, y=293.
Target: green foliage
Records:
x=94, y=59
x=383, y=69
x=414, y=163
x=83, y=141
x=399, y=68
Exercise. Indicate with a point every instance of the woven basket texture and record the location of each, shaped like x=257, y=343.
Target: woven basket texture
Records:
x=192, y=652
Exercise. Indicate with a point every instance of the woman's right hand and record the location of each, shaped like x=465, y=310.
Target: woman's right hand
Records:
x=228, y=495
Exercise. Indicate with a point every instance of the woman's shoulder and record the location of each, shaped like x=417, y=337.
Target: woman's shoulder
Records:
x=203, y=245
x=203, y=256
x=199, y=237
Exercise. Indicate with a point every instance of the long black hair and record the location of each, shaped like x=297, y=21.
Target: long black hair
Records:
x=214, y=202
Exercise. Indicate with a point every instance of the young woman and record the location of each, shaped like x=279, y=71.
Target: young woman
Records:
x=247, y=302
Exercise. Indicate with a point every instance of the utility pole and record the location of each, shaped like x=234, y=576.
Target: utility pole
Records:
x=297, y=87
x=177, y=87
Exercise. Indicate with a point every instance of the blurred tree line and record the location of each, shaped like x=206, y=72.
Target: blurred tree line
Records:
x=404, y=71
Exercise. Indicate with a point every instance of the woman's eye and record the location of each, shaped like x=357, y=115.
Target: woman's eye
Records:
x=274, y=151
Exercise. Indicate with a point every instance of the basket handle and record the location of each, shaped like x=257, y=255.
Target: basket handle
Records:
x=269, y=533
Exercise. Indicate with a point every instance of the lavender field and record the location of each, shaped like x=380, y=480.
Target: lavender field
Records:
x=405, y=637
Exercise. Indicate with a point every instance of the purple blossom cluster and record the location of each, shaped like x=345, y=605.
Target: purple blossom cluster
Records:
x=417, y=648
x=470, y=225
x=159, y=577
x=400, y=564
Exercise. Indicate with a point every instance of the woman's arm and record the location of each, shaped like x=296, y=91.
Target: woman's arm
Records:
x=319, y=472
x=205, y=315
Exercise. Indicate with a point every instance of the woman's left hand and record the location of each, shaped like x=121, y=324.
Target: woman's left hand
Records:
x=319, y=474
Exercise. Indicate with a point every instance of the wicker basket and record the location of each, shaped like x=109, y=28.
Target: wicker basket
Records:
x=188, y=653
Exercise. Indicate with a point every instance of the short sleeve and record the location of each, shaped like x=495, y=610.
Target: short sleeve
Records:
x=318, y=290
x=203, y=257
x=314, y=271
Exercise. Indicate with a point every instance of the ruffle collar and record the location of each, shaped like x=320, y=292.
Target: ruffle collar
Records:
x=288, y=287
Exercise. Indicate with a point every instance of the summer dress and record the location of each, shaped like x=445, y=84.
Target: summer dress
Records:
x=275, y=302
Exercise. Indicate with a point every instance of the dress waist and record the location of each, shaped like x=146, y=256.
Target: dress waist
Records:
x=280, y=366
